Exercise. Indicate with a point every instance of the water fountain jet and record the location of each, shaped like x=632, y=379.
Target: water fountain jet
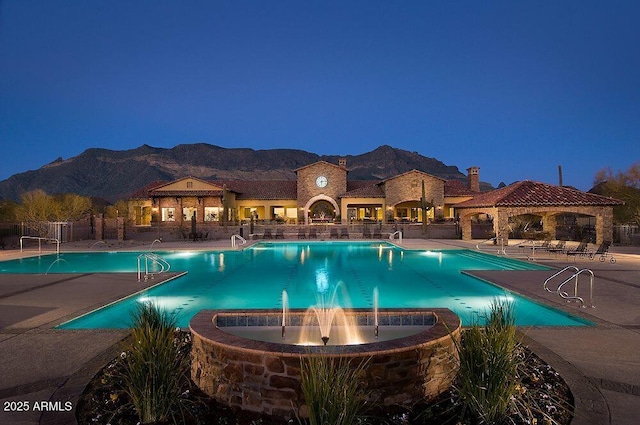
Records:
x=285, y=305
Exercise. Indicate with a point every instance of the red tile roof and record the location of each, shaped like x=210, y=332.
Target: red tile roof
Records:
x=186, y=192
x=457, y=188
x=363, y=189
x=530, y=193
x=262, y=189
x=144, y=192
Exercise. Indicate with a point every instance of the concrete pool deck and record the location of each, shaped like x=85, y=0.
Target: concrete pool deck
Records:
x=47, y=367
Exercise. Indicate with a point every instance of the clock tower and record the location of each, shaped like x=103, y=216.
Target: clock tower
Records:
x=321, y=181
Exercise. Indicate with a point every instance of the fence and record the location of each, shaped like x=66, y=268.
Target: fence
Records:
x=626, y=234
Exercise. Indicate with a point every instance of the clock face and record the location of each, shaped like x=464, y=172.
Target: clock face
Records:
x=321, y=181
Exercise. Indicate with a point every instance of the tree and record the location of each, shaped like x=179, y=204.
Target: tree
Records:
x=37, y=209
x=8, y=211
x=625, y=185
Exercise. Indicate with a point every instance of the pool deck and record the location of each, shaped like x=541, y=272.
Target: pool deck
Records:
x=39, y=364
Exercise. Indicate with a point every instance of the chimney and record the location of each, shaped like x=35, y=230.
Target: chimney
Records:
x=473, y=178
x=560, y=175
x=342, y=163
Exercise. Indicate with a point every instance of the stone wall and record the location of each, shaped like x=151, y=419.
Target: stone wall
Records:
x=265, y=377
x=603, y=215
x=408, y=187
x=307, y=187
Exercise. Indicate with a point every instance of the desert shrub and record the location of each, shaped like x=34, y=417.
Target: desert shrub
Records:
x=332, y=390
x=489, y=361
x=153, y=370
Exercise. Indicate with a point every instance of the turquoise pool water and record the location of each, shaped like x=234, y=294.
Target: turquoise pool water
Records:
x=309, y=272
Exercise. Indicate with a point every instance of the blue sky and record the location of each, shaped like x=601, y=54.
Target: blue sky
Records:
x=514, y=87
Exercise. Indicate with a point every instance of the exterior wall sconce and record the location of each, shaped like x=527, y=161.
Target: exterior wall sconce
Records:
x=199, y=199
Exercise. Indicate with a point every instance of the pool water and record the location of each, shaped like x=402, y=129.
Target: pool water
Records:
x=310, y=273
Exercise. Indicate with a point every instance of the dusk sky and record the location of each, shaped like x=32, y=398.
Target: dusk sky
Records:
x=514, y=87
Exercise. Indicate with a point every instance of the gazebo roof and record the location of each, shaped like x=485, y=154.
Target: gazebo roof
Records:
x=531, y=193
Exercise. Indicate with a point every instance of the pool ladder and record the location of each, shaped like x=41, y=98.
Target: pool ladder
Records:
x=396, y=234
x=150, y=259
x=575, y=275
x=499, y=251
x=237, y=240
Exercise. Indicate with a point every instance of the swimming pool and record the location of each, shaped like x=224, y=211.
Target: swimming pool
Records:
x=255, y=278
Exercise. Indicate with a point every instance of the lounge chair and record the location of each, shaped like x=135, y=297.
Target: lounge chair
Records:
x=333, y=233
x=301, y=234
x=581, y=250
x=313, y=233
x=543, y=246
x=558, y=248
x=279, y=233
x=377, y=234
x=531, y=244
x=366, y=232
x=603, y=252
x=344, y=233
x=267, y=234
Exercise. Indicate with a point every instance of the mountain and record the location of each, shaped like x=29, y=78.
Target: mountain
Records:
x=113, y=175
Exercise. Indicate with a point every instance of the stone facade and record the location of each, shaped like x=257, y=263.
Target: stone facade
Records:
x=308, y=189
x=265, y=377
x=501, y=228
x=408, y=187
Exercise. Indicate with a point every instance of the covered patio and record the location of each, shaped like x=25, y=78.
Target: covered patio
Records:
x=541, y=199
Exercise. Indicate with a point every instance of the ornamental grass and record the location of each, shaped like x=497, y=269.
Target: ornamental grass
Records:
x=153, y=370
x=332, y=390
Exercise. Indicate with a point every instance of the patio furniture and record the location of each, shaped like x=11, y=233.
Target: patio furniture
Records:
x=558, y=248
x=581, y=250
x=603, y=252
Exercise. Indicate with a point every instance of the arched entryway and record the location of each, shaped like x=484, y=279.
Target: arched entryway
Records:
x=321, y=209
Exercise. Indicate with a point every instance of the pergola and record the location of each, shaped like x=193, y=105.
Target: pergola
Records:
x=545, y=200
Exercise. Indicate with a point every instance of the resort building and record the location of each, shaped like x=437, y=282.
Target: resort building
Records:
x=322, y=193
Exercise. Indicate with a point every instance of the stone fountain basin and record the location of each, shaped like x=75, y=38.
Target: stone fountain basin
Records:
x=264, y=376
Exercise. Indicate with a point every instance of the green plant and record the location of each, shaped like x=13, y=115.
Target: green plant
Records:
x=488, y=376
x=332, y=390
x=153, y=369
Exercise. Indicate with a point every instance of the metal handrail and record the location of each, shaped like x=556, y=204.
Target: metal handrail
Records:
x=500, y=250
x=154, y=258
x=399, y=234
x=546, y=282
x=235, y=238
x=57, y=241
x=575, y=296
x=486, y=240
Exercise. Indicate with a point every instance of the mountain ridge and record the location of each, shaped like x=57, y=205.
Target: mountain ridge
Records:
x=114, y=174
